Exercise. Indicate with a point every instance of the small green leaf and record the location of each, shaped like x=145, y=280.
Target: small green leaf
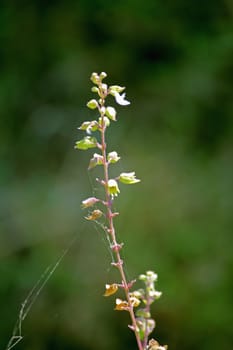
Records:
x=86, y=143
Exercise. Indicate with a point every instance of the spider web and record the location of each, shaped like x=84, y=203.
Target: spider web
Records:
x=100, y=227
x=33, y=296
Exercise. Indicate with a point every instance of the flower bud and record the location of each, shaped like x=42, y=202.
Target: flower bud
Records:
x=103, y=75
x=89, y=202
x=92, y=104
x=95, y=78
x=111, y=113
x=142, y=277
x=94, y=89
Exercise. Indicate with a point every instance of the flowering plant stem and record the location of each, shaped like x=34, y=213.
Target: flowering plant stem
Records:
x=115, y=245
x=142, y=323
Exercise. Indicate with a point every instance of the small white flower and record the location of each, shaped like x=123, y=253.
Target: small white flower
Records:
x=120, y=99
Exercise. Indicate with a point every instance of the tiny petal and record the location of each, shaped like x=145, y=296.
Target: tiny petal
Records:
x=89, y=202
x=120, y=99
x=110, y=289
x=96, y=214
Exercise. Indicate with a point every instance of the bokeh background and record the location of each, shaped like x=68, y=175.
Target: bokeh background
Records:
x=176, y=59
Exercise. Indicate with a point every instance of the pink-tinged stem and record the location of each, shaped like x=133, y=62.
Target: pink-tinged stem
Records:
x=111, y=229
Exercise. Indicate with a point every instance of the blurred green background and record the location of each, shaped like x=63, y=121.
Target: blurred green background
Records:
x=176, y=59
